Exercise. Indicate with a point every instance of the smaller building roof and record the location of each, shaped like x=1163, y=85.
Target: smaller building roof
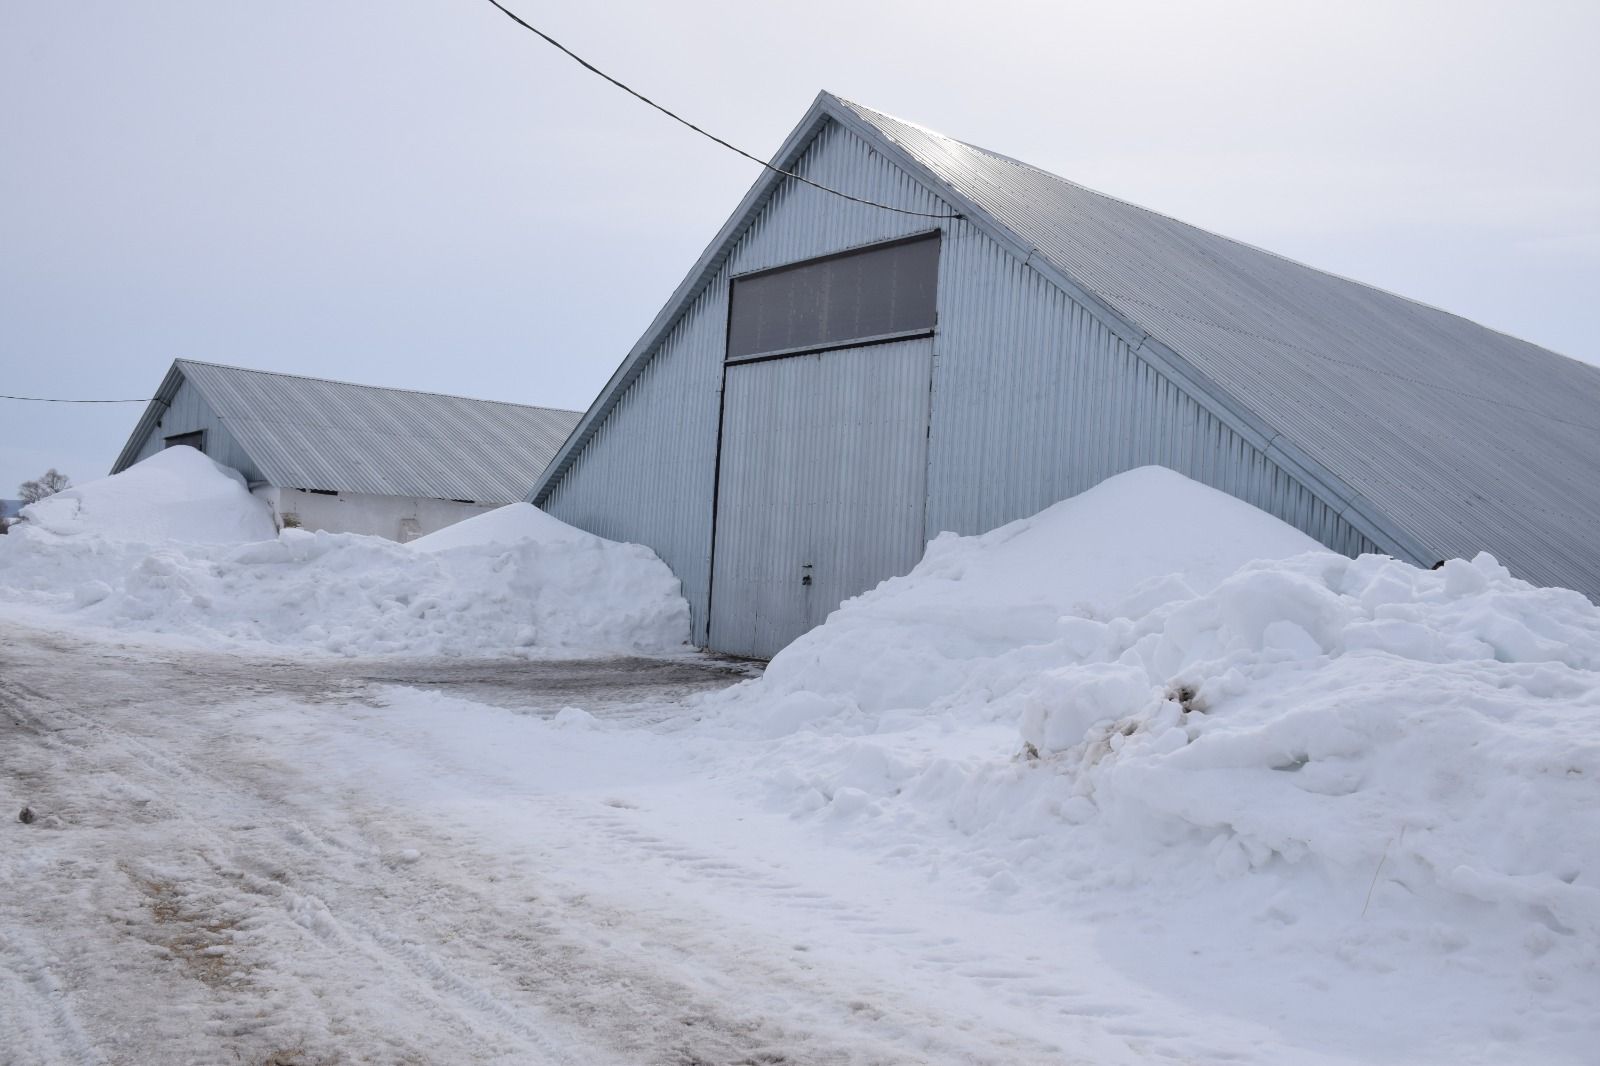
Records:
x=312, y=433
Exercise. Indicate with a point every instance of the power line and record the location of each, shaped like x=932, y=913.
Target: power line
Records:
x=52, y=399
x=586, y=65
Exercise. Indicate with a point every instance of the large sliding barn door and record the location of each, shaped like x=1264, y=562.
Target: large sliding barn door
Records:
x=822, y=487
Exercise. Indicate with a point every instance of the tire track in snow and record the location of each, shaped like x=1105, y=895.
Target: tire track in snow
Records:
x=561, y=950
x=455, y=955
x=238, y=841
x=1030, y=988
x=122, y=762
x=385, y=950
x=37, y=1016
x=857, y=1000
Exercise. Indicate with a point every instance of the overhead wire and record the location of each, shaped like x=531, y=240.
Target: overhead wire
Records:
x=513, y=16
x=585, y=64
x=55, y=399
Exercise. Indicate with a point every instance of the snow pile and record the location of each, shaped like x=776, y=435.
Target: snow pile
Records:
x=178, y=494
x=1122, y=548
x=509, y=582
x=513, y=524
x=1316, y=768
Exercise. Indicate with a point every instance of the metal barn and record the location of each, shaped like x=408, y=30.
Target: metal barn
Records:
x=351, y=458
x=834, y=384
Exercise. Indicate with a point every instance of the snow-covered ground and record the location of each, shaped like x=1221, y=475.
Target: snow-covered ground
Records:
x=1347, y=800
x=1144, y=778
x=176, y=547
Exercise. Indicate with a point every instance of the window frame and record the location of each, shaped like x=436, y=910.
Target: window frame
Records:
x=175, y=440
x=935, y=235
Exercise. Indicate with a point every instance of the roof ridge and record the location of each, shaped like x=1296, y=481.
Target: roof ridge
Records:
x=1013, y=161
x=378, y=388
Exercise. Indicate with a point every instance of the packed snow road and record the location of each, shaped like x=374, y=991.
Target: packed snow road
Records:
x=261, y=861
x=190, y=890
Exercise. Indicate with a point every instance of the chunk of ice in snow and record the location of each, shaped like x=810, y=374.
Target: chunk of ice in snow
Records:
x=575, y=718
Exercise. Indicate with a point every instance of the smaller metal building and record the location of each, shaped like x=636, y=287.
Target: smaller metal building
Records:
x=351, y=458
x=834, y=384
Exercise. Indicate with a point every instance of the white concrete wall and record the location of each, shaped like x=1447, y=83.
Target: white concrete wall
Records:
x=400, y=518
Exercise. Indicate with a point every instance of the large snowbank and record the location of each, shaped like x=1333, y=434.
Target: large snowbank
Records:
x=1295, y=788
x=178, y=494
x=173, y=546
x=513, y=524
x=1128, y=544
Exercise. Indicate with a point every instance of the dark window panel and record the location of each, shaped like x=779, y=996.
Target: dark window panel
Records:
x=874, y=292
x=195, y=440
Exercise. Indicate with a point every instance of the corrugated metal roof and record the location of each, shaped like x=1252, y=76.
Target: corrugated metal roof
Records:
x=1464, y=437
x=310, y=433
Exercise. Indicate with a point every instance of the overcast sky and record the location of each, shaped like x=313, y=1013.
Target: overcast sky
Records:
x=418, y=193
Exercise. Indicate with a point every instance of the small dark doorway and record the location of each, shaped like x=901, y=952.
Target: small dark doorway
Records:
x=195, y=440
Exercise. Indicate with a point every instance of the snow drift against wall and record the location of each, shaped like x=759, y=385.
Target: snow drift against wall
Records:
x=508, y=526
x=1348, y=795
x=178, y=494
x=176, y=545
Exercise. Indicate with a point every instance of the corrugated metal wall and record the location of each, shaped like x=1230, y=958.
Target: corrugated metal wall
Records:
x=188, y=413
x=1033, y=399
x=648, y=473
x=822, y=490
x=1456, y=438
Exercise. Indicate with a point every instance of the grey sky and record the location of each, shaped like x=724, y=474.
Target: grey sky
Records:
x=420, y=194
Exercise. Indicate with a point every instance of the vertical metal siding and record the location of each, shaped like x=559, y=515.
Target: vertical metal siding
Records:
x=647, y=474
x=823, y=477
x=1034, y=399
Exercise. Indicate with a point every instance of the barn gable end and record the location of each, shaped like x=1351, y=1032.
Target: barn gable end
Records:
x=647, y=474
x=1035, y=395
x=180, y=408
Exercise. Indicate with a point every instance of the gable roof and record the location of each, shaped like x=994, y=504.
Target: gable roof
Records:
x=1465, y=437
x=1441, y=436
x=310, y=433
